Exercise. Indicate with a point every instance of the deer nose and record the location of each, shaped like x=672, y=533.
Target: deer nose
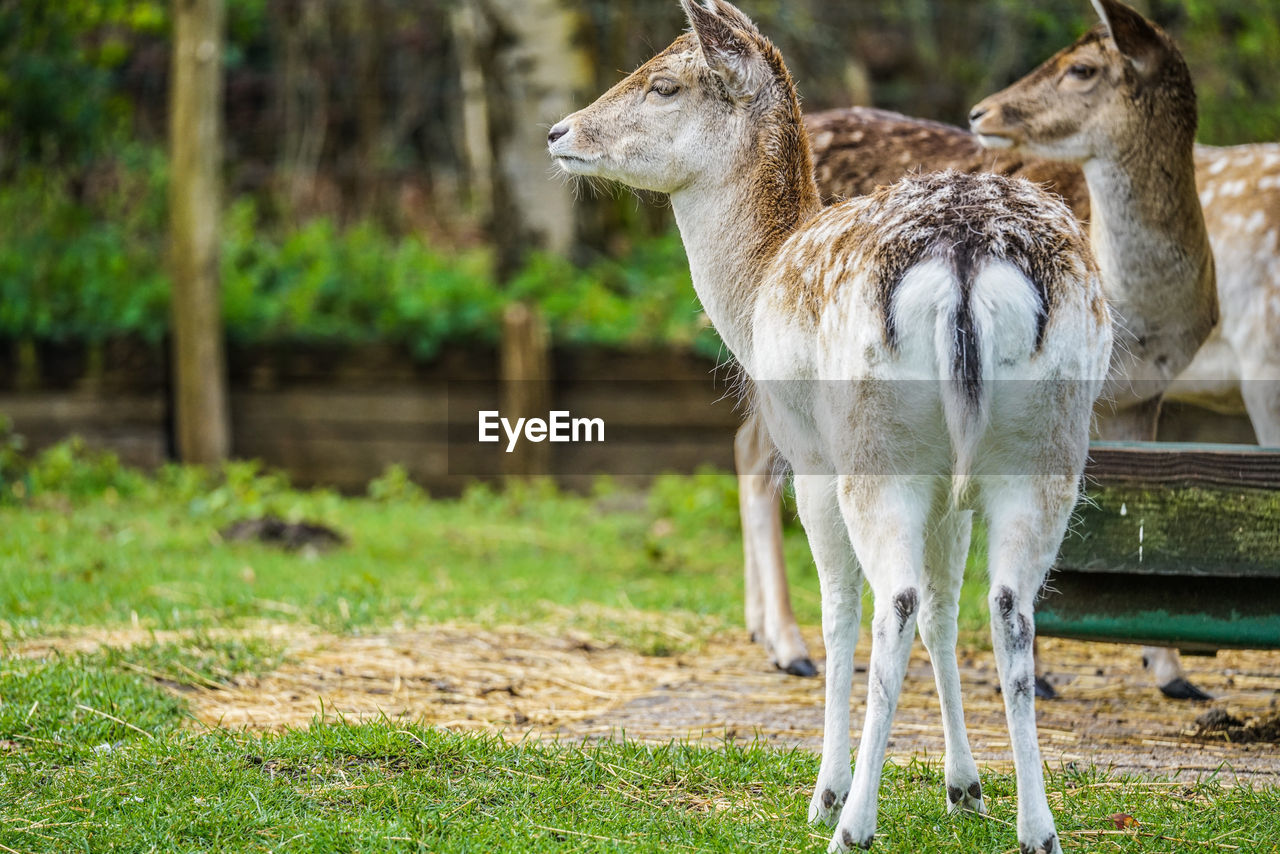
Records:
x=977, y=113
x=558, y=131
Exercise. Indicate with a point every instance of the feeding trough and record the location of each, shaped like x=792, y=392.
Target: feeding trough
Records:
x=1175, y=544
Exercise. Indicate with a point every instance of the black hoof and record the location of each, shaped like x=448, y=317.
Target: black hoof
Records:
x=1045, y=847
x=849, y=842
x=1045, y=691
x=801, y=667
x=1181, y=689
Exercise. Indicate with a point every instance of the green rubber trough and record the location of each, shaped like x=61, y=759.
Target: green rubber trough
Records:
x=1174, y=545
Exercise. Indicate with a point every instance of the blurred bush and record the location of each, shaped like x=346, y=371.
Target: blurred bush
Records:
x=82, y=254
x=89, y=266
x=381, y=246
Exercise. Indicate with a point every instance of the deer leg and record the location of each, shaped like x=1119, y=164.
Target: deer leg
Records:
x=1027, y=518
x=768, y=597
x=1260, y=387
x=946, y=547
x=892, y=555
x=841, y=580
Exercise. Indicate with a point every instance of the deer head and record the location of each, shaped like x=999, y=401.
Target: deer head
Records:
x=694, y=112
x=1120, y=83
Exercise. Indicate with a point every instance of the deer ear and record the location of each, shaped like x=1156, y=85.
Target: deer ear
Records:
x=731, y=53
x=1135, y=36
x=734, y=16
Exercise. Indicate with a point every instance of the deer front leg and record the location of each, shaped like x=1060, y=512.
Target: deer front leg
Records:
x=841, y=580
x=770, y=619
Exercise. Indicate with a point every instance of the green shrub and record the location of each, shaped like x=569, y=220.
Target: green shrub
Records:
x=74, y=269
x=92, y=268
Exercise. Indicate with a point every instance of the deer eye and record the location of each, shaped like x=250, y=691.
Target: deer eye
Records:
x=1080, y=71
x=665, y=88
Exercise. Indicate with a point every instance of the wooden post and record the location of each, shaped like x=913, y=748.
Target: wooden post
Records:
x=28, y=374
x=526, y=385
x=195, y=144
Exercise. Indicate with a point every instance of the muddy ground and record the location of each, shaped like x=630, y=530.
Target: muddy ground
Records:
x=568, y=688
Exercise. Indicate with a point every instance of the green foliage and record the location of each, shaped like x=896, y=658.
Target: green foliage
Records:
x=68, y=469
x=706, y=499
x=73, y=470
x=90, y=267
x=13, y=464
x=644, y=297
x=358, y=285
x=394, y=485
x=1233, y=50
x=59, y=99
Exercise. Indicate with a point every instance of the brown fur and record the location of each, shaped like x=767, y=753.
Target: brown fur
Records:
x=858, y=149
x=952, y=216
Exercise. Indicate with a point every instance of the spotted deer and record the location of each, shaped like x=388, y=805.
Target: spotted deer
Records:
x=1237, y=370
x=918, y=354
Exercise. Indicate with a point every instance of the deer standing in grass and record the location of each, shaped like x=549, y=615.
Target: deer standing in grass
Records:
x=916, y=354
x=1110, y=95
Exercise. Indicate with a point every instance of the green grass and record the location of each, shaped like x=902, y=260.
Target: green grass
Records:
x=385, y=787
x=99, y=753
x=153, y=558
x=148, y=553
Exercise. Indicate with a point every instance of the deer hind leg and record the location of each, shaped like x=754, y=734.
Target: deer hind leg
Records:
x=770, y=619
x=841, y=581
x=886, y=518
x=946, y=547
x=1027, y=517
x=1260, y=387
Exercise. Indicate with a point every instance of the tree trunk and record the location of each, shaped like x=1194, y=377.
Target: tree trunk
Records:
x=533, y=74
x=195, y=141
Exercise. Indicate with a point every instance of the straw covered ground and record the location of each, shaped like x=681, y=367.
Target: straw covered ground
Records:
x=569, y=687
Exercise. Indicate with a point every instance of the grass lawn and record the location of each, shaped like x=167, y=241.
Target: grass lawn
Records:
x=98, y=752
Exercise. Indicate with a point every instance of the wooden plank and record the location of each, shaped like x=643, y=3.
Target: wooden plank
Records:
x=1155, y=529
x=1169, y=509
x=525, y=367
x=67, y=407
x=403, y=406
x=1178, y=463
x=635, y=403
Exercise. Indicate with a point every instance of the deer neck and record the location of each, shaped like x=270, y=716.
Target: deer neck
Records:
x=1149, y=237
x=733, y=228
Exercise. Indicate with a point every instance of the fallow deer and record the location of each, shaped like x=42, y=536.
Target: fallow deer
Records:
x=1236, y=371
x=919, y=353
x=1120, y=102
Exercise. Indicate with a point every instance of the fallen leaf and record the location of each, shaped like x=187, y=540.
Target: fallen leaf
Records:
x=1123, y=821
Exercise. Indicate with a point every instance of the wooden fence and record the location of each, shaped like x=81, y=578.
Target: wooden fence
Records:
x=339, y=416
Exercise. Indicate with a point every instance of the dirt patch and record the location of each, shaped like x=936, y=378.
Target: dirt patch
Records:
x=1218, y=724
x=290, y=536
x=526, y=684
